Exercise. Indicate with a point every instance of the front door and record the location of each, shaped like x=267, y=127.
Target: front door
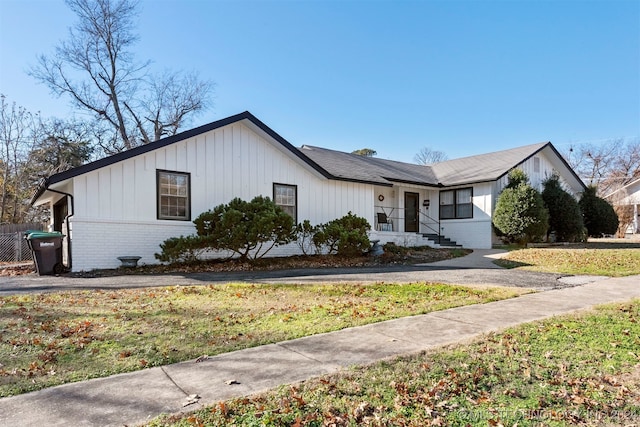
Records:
x=411, y=212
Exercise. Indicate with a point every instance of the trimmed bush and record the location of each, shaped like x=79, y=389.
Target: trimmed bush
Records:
x=346, y=236
x=182, y=249
x=599, y=216
x=565, y=217
x=520, y=215
x=248, y=229
x=305, y=232
x=517, y=177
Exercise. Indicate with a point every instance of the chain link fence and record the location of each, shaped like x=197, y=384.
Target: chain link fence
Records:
x=13, y=246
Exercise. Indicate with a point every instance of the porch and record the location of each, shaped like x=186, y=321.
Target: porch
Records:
x=409, y=226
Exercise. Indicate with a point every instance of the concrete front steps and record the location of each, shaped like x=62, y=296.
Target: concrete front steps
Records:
x=441, y=241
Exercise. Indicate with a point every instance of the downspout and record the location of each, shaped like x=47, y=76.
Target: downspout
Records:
x=66, y=219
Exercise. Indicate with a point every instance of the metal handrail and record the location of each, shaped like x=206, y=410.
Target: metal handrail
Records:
x=388, y=210
x=428, y=225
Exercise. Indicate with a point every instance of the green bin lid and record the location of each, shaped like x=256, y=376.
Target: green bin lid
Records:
x=42, y=234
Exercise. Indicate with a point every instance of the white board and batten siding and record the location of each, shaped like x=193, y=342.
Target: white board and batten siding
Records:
x=232, y=161
x=538, y=169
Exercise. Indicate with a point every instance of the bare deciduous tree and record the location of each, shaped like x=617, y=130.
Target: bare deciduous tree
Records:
x=16, y=139
x=174, y=97
x=608, y=165
x=95, y=67
x=62, y=145
x=427, y=156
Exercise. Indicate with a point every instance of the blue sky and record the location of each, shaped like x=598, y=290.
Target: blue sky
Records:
x=463, y=77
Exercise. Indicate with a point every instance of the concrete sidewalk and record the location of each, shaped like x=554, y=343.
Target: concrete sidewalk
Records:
x=134, y=398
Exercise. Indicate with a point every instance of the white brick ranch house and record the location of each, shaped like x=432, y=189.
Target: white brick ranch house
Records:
x=129, y=203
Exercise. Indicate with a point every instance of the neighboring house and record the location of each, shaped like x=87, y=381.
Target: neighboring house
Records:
x=628, y=195
x=129, y=203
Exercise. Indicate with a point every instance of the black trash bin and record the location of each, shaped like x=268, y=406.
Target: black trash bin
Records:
x=47, y=251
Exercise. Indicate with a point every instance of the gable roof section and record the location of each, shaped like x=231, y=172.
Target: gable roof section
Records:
x=493, y=166
x=177, y=138
x=354, y=167
x=449, y=173
x=484, y=167
x=107, y=161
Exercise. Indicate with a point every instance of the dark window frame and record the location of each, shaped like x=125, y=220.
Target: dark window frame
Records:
x=455, y=206
x=295, y=206
x=159, y=214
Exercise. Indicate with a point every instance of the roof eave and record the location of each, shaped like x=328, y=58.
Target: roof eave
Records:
x=624, y=187
x=360, y=181
x=43, y=184
x=525, y=159
x=566, y=164
x=107, y=161
x=562, y=159
x=458, y=184
x=420, y=183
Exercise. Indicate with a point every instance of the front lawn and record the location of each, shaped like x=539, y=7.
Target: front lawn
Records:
x=571, y=370
x=590, y=261
x=54, y=338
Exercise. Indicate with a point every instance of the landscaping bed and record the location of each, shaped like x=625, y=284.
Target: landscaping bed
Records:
x=393, y=255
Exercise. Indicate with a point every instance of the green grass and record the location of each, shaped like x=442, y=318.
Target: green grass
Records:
x=571, y=370
x=599, y=262
x=54, y=338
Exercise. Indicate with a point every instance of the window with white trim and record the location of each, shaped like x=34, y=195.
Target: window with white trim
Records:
x=456, y=204
x=286, y=197
x=174, y=195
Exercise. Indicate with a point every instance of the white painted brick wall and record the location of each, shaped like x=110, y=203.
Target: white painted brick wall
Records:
x=98, y=243
x=472, y=234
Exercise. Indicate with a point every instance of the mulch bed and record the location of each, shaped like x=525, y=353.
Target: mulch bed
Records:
x=395, y=256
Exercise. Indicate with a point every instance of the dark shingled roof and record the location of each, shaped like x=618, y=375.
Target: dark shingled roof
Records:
x=466, y=170
x=368, y=169
x=483, y=167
